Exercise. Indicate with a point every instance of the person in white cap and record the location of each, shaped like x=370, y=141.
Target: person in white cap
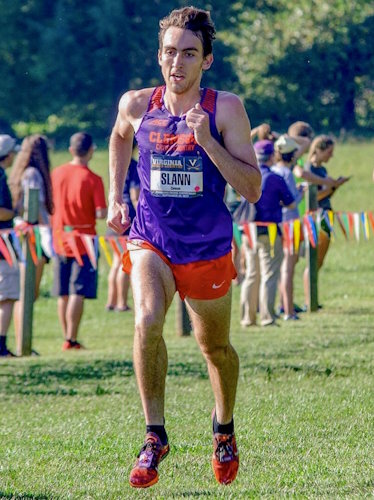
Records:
x=9, y=275
x=286, y=150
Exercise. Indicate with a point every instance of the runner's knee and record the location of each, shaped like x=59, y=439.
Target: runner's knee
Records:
x=148, y=326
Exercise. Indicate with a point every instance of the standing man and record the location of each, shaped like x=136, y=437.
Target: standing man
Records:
x=260, y=284
x=9, y=275
x=192, y=141
x=79, y=200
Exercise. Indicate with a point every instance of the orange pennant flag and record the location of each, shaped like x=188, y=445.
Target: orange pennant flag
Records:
x=113, y=244
x=31, y=241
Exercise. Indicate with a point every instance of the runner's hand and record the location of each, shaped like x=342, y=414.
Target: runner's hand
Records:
x=118, y=217
x=198, y=121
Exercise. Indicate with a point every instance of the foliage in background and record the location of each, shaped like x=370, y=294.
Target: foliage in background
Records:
x=64, y=64
x=310, y=60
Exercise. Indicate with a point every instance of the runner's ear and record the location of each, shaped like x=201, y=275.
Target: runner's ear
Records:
x=207, y=62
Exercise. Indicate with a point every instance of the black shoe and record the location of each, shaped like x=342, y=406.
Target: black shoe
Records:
x=298, y=309
x=5, y=353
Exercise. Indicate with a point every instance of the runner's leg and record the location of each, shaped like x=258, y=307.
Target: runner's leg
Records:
x=153, y=290
x=211, y=326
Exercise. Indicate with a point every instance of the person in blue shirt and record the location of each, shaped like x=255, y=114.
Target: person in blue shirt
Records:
x=260, y=283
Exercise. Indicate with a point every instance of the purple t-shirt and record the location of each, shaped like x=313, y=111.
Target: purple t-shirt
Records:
x=274, y=191
x=181, y=209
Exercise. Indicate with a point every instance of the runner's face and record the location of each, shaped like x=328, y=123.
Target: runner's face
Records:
x=181, y=60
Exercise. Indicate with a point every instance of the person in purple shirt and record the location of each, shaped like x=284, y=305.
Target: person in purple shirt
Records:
x=192, y=141
x=259, y=286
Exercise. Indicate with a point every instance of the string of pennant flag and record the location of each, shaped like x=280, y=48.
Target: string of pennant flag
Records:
x=39, y=239
x=353, y=226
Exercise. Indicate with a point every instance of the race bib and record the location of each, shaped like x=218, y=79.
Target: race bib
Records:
x=176, y=176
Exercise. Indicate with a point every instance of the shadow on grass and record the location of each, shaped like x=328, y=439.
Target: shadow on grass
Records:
x=70, y=379
x=102, y=376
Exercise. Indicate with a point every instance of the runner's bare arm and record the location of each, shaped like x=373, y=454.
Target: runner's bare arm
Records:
x=236, y=160
x=131, y=109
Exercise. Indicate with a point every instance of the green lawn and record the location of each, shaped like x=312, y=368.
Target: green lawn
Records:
x=71, y=423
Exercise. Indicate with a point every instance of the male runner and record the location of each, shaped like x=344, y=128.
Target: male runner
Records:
x=191, y=142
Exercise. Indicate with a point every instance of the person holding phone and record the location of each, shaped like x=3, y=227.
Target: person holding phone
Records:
x=321, y=151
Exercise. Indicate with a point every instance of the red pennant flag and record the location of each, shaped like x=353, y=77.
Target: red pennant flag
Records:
x=351, y=223
x=286, y=235
x=74, y=247
x=248, y=234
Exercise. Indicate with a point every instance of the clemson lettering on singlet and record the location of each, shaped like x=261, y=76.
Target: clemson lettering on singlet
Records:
x=163, y=141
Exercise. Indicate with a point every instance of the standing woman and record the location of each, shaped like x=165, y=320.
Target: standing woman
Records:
x=286, y=150
x=31, y=169
x=320, y=152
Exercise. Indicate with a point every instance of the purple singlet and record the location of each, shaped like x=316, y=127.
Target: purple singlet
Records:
x=180, y=210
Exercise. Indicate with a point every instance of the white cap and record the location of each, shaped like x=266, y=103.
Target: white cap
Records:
x=286, y=144
x=7, y=145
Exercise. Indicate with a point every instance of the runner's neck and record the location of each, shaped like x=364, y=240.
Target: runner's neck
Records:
x=179, y=104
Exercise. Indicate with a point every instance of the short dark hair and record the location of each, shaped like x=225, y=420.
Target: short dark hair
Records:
x=286, y=157
x=301, y=129
x=191, y=18
x=80, y=143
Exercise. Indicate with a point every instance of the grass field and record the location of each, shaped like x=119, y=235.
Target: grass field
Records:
x=71, y=423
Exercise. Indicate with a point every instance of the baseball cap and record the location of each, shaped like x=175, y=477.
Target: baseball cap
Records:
x=8, y=144
x=264, y=148
x=81, y=143
x=285, y=144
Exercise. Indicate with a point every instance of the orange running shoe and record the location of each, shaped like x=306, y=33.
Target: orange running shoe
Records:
x=70, y=344
x=225, y=460
x=145, y=470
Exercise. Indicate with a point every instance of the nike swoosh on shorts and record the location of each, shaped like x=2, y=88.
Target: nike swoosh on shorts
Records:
x=214, y=286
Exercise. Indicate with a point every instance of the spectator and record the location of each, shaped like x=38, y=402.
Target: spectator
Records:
x=232, y=201
x=262, y=269
x=31, y=169
x=321, y=151
x=285, y=152
x=9, y=275
x=79, y=200
x=303, y=134
x=263, y=132
x=118, y=281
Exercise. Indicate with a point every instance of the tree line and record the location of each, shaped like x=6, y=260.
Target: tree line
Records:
x=64, y=64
